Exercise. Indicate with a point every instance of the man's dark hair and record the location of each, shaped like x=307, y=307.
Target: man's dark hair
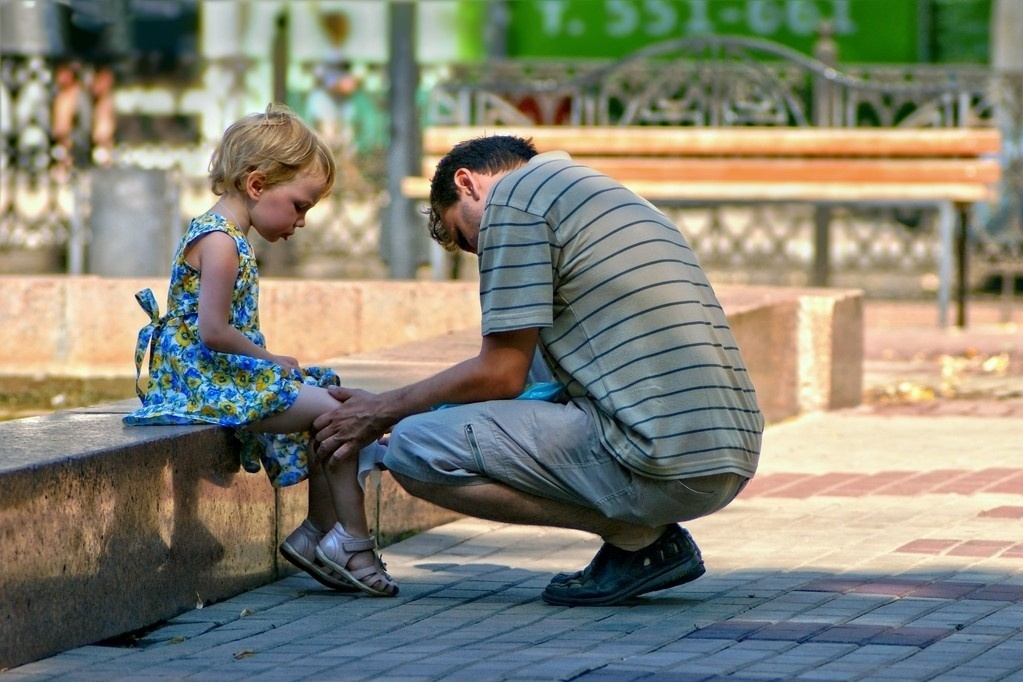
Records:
x=487, y=155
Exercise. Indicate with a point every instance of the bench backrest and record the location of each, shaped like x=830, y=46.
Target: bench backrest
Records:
x=961, y=163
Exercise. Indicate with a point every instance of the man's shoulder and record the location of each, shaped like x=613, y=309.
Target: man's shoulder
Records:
x=553, y=155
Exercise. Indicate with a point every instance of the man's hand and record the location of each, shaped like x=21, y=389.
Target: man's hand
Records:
x=349, y=428
x=499, y=372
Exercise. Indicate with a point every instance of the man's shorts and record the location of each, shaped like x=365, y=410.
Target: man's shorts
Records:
x=550, y=450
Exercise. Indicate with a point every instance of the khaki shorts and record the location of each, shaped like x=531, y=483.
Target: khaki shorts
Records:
x=550, y=450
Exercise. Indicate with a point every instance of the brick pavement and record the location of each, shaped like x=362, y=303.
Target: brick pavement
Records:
x=879, y=542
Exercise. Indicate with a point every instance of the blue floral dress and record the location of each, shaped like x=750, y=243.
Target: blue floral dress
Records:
x=191, y=384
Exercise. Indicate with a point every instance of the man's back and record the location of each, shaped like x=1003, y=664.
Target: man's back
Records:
x=628, y=320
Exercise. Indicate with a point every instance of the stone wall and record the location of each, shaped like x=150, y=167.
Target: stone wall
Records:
x=88, y=325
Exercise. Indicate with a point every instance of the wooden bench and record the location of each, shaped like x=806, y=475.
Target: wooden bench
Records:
x=948, y=169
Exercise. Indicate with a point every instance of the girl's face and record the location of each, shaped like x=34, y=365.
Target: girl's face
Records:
x=277, y=211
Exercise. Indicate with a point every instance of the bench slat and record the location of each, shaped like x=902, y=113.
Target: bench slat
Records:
x=779, y=141
x=879, y=171
x=723, y=192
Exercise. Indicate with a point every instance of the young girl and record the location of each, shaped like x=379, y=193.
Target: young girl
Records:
x=208, y=359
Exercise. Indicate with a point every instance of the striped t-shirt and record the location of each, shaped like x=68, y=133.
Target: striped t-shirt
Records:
x=628, y=321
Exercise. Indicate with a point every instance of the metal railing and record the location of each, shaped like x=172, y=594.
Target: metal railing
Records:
x=733, y=81
x=712, y=80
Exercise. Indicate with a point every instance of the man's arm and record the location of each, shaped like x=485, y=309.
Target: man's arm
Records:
x=498, y=372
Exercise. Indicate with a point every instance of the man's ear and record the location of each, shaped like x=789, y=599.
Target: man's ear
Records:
x=465, y=183
x=254, y=184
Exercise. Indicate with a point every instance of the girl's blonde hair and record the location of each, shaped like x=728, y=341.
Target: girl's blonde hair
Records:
x=277, y=143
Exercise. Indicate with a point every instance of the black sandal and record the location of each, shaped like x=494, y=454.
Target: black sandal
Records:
x=616, y=575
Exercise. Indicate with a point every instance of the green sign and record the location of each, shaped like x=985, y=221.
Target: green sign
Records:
x=865, y=30
x=959, y=31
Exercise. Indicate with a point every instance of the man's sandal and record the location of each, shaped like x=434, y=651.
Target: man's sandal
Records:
x=616, y=575
x=300, y=549
x=336, y=550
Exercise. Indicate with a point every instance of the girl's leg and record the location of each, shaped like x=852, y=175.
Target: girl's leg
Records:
x=349, y=498
x=321, y=505
x=348, y=550
x=312, y=401
x=339, y=483
x=334, y=490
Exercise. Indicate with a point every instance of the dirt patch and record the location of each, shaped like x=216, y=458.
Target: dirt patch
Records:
x=30, y=396
x=930, y=377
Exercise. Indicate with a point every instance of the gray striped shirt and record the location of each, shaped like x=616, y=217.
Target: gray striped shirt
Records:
x=628, y=321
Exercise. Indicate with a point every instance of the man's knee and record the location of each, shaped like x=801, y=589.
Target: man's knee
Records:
x=429, y=452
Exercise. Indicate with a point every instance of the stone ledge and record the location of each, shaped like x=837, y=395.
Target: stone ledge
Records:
x=107, y=528
x=803, y=347
x=88, y=325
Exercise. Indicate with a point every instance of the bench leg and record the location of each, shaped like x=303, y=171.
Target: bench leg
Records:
x=821, y=273
x=1008, y=291
x=946, y=229
x=963, y=265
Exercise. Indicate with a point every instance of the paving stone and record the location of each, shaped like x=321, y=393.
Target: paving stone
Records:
x=877, y=542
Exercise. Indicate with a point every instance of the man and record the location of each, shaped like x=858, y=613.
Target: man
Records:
x=659, y=423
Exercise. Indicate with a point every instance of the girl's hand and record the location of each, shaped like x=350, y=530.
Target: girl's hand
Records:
x=288, y=363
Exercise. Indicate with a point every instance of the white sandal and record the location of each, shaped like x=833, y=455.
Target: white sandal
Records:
x=300, y=549
x=338, y=547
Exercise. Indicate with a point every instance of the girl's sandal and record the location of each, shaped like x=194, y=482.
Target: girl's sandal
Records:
x=300, y=549
x=336, y=550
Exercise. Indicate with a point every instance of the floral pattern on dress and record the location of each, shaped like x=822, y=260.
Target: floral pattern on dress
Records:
x=189, y=383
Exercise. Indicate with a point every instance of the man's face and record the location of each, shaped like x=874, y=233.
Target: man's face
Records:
x=462, y=219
